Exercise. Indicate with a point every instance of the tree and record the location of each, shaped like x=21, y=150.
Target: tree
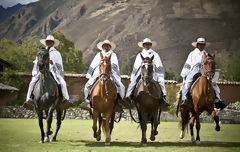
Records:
x=72, y=57
x=231, y=67
x=22, y=54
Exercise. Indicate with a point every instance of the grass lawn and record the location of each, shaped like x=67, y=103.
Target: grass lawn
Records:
x=18, y=135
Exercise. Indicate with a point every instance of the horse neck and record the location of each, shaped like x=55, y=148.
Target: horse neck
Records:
x=204, y=84
x=45, y=78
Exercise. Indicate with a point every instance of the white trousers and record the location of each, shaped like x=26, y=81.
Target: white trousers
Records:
x=61, y=81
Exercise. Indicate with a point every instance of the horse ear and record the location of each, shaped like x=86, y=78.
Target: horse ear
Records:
x=142, y=57
x=152, y=57
x=101, y=55
x=213, y=55
x=109, y=58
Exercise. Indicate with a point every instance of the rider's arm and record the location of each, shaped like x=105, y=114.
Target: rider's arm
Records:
x=158, y=67
x=187, y=66
x=136, y=66
x=35, y=68
x=93, y=65
x=114, y=64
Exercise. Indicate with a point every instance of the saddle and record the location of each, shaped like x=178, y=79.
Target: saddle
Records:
x=196, y=78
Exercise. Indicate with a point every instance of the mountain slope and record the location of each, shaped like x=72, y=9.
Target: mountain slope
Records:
x=6, y=12
x=173, y=24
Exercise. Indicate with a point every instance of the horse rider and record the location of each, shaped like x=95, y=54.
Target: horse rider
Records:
x=158, y=70
x=191, y=68
x=106, y=48
x=55, y=67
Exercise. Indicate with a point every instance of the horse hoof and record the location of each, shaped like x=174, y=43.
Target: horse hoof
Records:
x=46, y=139
x=41, y=141
x=144, y=144
x=182, y=134
x=53, y=140
x=192, y=139
x=198, y=142
x=156, y=133
x=98, y=138
x=50, y=132
x=217, y=128
x=152, y=138
x=107, y=144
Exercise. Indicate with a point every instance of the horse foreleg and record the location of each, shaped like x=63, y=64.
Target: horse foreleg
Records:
x=198, y=130
x=40, y=123
x=143, y=120
x=58, y=124
x=49, y=123
x=94, y=127
x=112, y=123
x=154, y=125
x=107, y=129
x=216, y=119
x=191, y=128
x=99, y=127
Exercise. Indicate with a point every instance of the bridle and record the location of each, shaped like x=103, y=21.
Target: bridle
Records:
x=207, y=73
x=146, y=77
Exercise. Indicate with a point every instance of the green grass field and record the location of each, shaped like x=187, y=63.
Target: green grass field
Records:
x=21, y=135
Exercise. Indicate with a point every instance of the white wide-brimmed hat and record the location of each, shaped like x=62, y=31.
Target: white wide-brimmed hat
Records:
x=201, y=41
x=147, y=40
x=50, y=38
x=100, y=44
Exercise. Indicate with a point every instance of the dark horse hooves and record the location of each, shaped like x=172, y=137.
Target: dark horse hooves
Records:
x=53, y=140
x=217, y=128
x=98, y=138
x=152, y=138
x=144, y=142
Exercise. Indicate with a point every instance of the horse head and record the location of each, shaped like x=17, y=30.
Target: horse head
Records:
x=105, y=68
x=147, y=70
x=208, y=66
x=43, y=59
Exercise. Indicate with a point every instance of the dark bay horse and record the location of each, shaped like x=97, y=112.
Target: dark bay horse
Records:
x=146, y=98
x=203, y=97
x=46, y=96
x=103, y=98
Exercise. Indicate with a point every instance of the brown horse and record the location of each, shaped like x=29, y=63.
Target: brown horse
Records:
x=103, y=99
x=203, y=97
x=146, y=99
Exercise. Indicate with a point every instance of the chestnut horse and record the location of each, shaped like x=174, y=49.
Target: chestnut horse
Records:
x=103, y=98
x=147, y=96
x=203, y=97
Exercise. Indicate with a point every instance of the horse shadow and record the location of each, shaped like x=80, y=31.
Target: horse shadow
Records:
x=89, y=143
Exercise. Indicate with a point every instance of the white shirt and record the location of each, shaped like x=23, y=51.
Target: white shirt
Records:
x=194, y=60
x=56, y=68
x=158, y=69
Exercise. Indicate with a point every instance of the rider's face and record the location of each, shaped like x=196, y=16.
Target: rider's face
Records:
x=106, y=47
x=147, y=46
x=49, y=43
x=201, y=46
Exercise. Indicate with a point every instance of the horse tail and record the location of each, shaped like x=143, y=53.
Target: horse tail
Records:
x=177, y=109
x=64, y=114
x=119, y=119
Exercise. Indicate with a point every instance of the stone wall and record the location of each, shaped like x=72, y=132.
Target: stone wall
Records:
x=229, y=116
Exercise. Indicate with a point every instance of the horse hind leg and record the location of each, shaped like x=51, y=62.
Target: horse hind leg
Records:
x=49, y=123
x=184, y=122
x=58, y=124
